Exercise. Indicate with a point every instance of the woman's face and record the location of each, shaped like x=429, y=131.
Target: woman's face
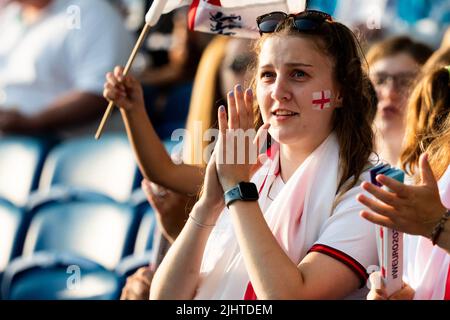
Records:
x=234, y=69
x=392, y=78
x=295, y=89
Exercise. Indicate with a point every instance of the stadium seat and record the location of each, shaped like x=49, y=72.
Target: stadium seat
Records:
x=13, y=223
x=176, y=110
x=144, y=238
x=21, y=160
x=106, y=166
x=50, y=276
x=142, y=253
x=173, y=114
x=100, y=230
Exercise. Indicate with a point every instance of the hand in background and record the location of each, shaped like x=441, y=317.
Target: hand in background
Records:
x=378, y=292
x=171, y=208
x=125, y=91
x=411, y=209
x=138, y=284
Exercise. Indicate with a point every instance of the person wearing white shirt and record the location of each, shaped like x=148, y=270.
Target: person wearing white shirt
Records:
x=53, y=58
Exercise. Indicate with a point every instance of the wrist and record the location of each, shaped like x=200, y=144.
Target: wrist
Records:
x=205, y=213
x=231, y=183
x=427, y=226
x=138, y=110
x=440, y=226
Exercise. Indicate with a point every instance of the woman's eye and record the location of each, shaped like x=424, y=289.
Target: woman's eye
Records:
x=267, y=74
x=298, y=74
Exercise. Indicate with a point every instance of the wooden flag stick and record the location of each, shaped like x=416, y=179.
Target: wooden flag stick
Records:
x=109, y=110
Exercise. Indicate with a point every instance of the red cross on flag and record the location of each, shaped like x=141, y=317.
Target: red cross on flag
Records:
x=229, y=17
x=321, y=100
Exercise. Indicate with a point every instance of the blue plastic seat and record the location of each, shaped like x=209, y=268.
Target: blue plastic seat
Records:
x=21, y=160
x=50, y=276
x=143, y=248
x=106, y=166
x=144, y=238
x=13, y=223
x=99, y=230
x=173, y=114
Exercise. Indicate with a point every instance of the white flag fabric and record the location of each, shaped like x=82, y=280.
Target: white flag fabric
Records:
x=231, y=17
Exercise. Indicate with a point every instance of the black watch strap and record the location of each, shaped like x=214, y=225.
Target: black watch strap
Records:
x=245, y=191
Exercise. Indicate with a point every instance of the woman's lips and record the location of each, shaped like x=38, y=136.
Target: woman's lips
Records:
x=389, y=111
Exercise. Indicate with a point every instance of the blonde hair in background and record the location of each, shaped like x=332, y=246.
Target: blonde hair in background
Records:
x=428, y=123
x=439, y=151
x=203, y=100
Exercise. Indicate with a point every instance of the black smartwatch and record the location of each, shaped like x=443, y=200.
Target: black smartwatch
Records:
x=245, y=191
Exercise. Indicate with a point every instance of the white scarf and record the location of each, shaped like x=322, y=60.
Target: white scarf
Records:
x=295, y=218
x=427, y=265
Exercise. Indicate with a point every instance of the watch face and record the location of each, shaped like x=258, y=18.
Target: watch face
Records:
x=248, y=191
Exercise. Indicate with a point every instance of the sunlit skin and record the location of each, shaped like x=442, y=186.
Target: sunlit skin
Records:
x=392, y=102
x=287, y=82
x=390, y=118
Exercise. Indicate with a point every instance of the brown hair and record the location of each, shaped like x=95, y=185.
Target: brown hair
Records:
x=396, y=45
x=438, y=59
x=204, y=97
x=353, y=122
x=439, y=151
x=427, y=119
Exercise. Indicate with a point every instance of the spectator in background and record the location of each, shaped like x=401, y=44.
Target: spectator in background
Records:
x=394, y=65
x=420, y=210
x=53, y=57
x=172, y=53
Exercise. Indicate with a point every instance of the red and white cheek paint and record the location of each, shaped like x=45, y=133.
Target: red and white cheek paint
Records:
x=321, y=100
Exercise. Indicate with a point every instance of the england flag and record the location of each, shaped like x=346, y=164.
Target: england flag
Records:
x=227, y=17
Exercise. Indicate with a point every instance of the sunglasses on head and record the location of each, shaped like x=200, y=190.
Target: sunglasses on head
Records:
x=308, y=20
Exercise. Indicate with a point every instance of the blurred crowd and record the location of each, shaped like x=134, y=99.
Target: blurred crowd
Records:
x=55, y=55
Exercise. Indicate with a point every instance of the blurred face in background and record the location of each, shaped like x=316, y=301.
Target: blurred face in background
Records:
x=234, y=69
x=393, y=77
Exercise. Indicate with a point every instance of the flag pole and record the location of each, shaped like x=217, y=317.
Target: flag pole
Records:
x=151, y=19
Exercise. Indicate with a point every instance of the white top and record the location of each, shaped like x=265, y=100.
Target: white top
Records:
x=71, y=47
x=330, y=226
x=427, y=266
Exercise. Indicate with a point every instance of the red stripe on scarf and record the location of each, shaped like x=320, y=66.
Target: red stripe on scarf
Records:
x=250, y=293
x=447, y=286
x=192, y=14
x=214, y=2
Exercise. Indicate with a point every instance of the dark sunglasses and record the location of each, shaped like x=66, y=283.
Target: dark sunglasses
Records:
x=308, y=20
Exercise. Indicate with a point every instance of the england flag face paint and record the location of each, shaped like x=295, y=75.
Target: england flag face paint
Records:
x=321, y=100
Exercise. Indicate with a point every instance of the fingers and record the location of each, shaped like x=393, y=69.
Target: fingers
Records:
x=145, y=274
x=118, y=73
x=405, y=293
x=249, y=107
x=233, y=120
x=114, y=89
x=118, y=81
x=222, y=119
x=399, y=188
x=377, y=290
x=137, y=286
x=241, y=108
x=426, y=173
x=382, y=195
x=377, y=206
x=112, y=93
x=377, y=219
x=261, y=135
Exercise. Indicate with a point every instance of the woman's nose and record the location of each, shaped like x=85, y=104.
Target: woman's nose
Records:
x=281, y=90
